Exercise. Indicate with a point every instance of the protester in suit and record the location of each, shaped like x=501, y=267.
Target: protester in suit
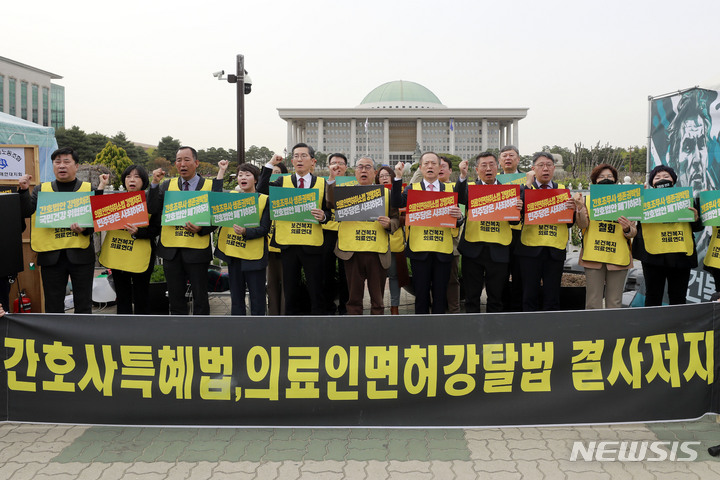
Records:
x=365, y=246
x=541, y=253
x=429, y=249
x=666, y=262
x=485, y=245
x=245, y=248
x=510, y=159
x=133, y=263
x=300, y=243
x=62, y=252
x=334, y=281
x=185, y=250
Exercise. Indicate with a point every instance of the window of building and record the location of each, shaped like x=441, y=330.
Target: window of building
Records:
x=24, y=100
x=35, y=103
x=46, y=106
x=2, y=93
x=12, y=85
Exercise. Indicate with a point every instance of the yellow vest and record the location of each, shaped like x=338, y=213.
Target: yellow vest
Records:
x=122, y=252
x=270, y=235
x=397, y=241
x=364, y=236
x=300, y=233
x=668, y=238
x=554, y=235
x=712, y=256
x=234, y=245
x=175, y=236
x=49, y=239
x=429, y=239
x=331, y=224
x=605, y=242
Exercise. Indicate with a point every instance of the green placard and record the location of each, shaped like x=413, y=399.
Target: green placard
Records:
x=234, y=208
x=346, y=181
x=62, y=209
x=666, y=205
x=275, y=176
x=293, y=204
x=182, y=207
x=610, y=202
x=512, y=178
x=710, y=208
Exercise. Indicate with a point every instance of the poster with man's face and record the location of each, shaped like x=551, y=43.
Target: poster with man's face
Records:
x=684, y=132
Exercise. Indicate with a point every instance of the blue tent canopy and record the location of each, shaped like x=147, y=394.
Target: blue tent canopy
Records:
x=16, y=131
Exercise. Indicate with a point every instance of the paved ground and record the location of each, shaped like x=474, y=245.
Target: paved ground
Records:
x=60, y=452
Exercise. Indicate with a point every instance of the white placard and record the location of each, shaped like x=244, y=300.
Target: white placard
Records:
x=12, y=163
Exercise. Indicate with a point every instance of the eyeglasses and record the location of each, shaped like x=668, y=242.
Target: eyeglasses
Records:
x=297, y=156
x=363, y=167
x=544, y=165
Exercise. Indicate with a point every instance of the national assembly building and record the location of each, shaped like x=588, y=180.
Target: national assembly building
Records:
x=398, y=120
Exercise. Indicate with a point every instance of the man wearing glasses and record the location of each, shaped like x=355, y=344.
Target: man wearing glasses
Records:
x=541, y=252
x=300, y=243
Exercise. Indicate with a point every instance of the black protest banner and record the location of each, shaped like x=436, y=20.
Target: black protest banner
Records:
x=630, y=365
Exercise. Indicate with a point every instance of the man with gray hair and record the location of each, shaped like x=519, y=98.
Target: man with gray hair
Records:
x=509, y=159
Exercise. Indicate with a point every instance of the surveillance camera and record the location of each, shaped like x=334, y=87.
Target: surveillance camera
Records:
x=248, y=83
x=219, y=74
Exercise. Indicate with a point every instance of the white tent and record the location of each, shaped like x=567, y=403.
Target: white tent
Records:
x=16, y=131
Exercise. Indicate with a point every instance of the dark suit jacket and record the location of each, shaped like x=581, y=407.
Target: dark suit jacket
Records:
x=526, y=251
x=78, y=256
x=263, y=186
x=398, y=199
x=156, y=198
x=498, y=253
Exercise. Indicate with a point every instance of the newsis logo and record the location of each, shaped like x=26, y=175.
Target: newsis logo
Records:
x=633, y=451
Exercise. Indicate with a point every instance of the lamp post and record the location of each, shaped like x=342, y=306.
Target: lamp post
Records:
x=244, y=85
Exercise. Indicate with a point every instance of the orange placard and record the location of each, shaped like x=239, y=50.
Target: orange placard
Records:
x=546, y=206
x=117, y=210
x=493, y=203
x=430, y=209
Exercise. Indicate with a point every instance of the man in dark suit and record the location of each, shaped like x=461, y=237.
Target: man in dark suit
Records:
x=429, y=249
x=62, y=252
x=542, y=249
x=185, y=250
x=300, y=243
x=485, y=246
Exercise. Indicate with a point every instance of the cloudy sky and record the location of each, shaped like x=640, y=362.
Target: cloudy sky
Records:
x=584, y=70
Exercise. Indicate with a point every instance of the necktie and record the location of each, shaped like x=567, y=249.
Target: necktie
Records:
x=431, y=187
x=301, y=182
x=186, y=185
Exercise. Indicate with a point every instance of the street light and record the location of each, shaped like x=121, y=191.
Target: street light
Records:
x=244, y=86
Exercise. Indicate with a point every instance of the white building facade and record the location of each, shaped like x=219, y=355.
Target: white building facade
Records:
x=399, y=119
x=28, y=93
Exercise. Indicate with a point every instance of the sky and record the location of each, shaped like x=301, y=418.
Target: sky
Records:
x=583, y=69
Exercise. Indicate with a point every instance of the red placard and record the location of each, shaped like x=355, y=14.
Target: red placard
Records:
x=493, y=203
x=545, y=206
x=117, y=210
x=430, y=209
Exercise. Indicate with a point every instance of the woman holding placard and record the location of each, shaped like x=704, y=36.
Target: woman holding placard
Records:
x=605, y=268
x=666, y=261
x=130, y=252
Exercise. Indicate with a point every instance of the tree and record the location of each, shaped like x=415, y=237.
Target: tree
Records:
x=214, y=155
x=167, y=148
x=258, y=155
x=95, y=143
x=114, y=158
x=138, y=155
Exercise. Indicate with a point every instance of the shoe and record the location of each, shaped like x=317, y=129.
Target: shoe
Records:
x=394, y=311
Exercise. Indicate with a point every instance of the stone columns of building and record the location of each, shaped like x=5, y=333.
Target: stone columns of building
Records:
x=320, y=137
x=290, y=132
x=418, y=134
x=451, y=131
x=352, y=154
x=484, y=131
x=516, y=136
x=386, y=142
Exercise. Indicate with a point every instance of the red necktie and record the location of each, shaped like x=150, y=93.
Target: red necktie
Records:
x=431, y=187
x=301, y=182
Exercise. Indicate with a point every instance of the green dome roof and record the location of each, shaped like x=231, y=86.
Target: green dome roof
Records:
x=402, y=93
